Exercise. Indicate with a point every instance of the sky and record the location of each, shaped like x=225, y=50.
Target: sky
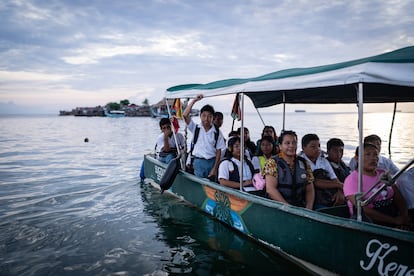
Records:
x=58, y=55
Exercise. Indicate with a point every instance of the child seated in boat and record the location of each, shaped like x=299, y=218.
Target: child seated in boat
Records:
x=335, y=151
x=289, y=178
x=268, y=131
x=265, y=153
x=166, y=142
x=230, y=167
x=328, y=189
x=388, y=207
x=248, y=144
x=384, y=162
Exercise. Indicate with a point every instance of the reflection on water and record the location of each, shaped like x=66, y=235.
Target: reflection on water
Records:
x=73, y=208
x=196, y=239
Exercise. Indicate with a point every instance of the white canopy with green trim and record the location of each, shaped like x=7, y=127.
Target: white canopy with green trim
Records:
x=387, y=77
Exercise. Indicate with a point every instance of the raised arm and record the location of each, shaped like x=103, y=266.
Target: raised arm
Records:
x=187, y=111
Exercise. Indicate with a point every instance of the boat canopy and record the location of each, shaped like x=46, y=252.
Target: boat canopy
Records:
x=386, y=78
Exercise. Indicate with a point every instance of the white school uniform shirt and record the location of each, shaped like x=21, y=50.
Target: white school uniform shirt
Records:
x=171, y=141
x=321, y=163
x=204, y=148
x=256, y=162
x=405, y=184
x=227, y=166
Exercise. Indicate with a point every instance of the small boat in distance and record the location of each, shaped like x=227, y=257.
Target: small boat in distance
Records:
x=115, y=113
x=300, y=110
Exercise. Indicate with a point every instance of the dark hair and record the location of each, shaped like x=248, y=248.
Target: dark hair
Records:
x=286, y=132
x=245, y=128
x=334, y=142
x=269, y=127
x=366, y=145
x=165, y=121
x=372, y=138
x=308, y=138
x=230, y=143
x=233, y=133
x=218, y=114
x=267, y=138
x=207, y=108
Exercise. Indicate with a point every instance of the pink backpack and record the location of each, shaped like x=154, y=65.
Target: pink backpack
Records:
x=258, y=181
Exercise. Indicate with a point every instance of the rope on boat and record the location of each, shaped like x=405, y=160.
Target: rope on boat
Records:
x=392, y=127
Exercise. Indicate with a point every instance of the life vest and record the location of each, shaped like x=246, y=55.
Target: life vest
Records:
x=292, y=187
x=234, y=175
x=341, y=170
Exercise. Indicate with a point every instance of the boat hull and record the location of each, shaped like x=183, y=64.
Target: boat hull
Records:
x=340, y=245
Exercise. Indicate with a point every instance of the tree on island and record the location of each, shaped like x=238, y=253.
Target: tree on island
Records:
x=145, y=102
x=124, y=102
x=113, y=106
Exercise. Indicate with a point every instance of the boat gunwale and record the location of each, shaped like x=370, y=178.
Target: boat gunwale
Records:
x=348, y=223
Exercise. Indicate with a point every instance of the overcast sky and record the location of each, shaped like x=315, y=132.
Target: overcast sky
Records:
x=58, y=55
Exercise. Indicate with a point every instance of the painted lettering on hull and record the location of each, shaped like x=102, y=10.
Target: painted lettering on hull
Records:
x=159, y=172
x=377, y=253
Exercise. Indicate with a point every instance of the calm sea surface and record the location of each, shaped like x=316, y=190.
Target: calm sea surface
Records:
x=68, y=207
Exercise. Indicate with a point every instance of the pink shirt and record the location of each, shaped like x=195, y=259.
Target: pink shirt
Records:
x=351, y=187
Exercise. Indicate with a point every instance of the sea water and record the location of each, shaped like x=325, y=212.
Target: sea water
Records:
x=75, y=206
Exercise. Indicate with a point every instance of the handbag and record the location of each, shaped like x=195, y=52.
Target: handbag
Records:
x=258, y=181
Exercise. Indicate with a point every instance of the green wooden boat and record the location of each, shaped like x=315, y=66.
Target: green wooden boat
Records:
x=325, y=239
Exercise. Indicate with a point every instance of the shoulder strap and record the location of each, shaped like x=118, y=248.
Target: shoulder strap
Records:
x=216, y=135
x=250, y=164
x=302, y=160
x=196, y=132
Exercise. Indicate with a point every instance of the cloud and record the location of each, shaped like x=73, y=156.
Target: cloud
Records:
x=22, y=76
x=158, y=45
x=73, y=52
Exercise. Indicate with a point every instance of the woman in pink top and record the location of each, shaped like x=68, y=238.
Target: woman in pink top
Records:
x=388, y=207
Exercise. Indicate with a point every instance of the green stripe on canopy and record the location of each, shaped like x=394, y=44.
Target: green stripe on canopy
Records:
x=387, y=78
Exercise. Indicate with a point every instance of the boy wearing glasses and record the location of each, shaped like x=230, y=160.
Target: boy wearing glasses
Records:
x=166, y=146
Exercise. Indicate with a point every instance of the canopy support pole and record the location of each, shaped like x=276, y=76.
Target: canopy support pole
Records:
x=175, y=136
x=392, y=127
x=284, y=111
x=241, y=142
x=260, y=116
x=360, y=149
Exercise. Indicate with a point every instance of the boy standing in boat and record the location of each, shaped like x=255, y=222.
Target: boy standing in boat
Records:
x=207, y=140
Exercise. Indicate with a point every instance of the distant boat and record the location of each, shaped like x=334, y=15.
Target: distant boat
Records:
x=195, y=112
x=300, y=110
x=158, y=113
x=115, y=113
